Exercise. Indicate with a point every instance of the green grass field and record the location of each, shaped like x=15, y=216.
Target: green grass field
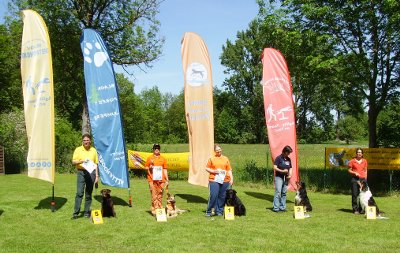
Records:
x=28, y=225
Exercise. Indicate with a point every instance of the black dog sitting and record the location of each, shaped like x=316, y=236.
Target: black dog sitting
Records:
x=301, y=198
x=366, y=199
x=232, y=200
x=107, y=205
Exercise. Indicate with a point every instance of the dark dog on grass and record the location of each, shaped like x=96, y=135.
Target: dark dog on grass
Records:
x=107, y=205
x=232, y=199
x=366, y=199
x=301, y=198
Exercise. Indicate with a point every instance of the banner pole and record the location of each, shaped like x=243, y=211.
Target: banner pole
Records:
x=53, y=202
x=325, y=171
x=130, y=197
x=267, y=167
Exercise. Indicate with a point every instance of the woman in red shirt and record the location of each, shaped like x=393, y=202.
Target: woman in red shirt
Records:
x=358, y=170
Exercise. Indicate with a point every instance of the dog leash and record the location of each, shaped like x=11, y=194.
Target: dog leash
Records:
x=166, y=190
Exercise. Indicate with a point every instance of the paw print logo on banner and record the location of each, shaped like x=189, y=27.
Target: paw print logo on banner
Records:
x=95, y=54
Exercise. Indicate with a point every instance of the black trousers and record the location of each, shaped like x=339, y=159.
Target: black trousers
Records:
x=355, y=191
x=84, y=185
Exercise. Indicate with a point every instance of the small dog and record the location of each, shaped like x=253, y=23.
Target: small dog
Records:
x=301, y=198
x=232, y=199
x=170, y=209
x=107, y=205
x=365, y=198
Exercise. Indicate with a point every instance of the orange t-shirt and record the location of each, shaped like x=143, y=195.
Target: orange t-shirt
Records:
x=360, y=168
x=156, y=161
x=219, y=162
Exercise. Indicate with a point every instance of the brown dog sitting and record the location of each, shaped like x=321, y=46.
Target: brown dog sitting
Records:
x=171, y=210
x=107, y=205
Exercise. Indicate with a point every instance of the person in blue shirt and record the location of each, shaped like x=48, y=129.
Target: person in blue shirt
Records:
x=283, y=172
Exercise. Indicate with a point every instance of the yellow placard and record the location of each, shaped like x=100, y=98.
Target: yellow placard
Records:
x=371, y=213
x=161, y=215
x=229, y=212
x=97, y=217
x=378, y=158
x=299, y=212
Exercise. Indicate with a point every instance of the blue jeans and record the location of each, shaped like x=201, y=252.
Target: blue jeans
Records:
x=280, y=194
x=217, y=197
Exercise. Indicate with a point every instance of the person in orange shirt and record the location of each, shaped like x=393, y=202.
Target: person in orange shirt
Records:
x=220, y=179
x=358, y=170
x=157, y=176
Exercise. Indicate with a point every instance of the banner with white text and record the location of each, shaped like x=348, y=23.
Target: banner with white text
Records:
x=38, y=93
x=279, y=108
x=198, y=105
x=104, y=110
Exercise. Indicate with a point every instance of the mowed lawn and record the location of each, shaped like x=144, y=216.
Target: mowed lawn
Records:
x=28, y=225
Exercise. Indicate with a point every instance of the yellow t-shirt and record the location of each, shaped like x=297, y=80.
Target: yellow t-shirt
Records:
x=81, y=153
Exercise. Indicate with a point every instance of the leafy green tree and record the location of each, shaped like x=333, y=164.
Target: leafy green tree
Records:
x=10, y=75
x=175, y=120
x=131, y=107
x=310, y=62
x=13, y=139
x=351, y=129
x=128, y=27
x=153, y=115
x=365, y=36
x=389, y=126
x=67, y=139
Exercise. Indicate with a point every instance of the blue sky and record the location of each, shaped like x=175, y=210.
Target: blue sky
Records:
x=214, y=20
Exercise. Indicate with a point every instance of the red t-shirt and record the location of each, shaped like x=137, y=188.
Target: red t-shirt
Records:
x=360, y=168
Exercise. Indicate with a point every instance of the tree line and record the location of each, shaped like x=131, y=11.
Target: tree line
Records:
x=343, y=60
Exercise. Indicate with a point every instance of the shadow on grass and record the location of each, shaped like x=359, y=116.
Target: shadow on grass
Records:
x=260, y=195
x=1, y=211
x=116, y=200
x=345, y=210
x=192, y=198
x=46, y=203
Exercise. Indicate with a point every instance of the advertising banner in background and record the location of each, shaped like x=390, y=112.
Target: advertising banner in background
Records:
x=378, y=158
x=104, y=110
x=279, y=108
x=198, y=105
x=175, y=161
x=38, y=93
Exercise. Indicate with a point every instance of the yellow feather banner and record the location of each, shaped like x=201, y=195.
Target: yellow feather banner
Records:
x=37, y=86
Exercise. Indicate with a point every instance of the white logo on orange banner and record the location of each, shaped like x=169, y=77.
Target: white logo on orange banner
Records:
x=196, y=74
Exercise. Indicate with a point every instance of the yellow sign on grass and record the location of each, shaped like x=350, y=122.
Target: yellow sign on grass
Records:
x=161, y=215
x=371, y=213
x=229, y=212
x=299, y=212
x=97, y=217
